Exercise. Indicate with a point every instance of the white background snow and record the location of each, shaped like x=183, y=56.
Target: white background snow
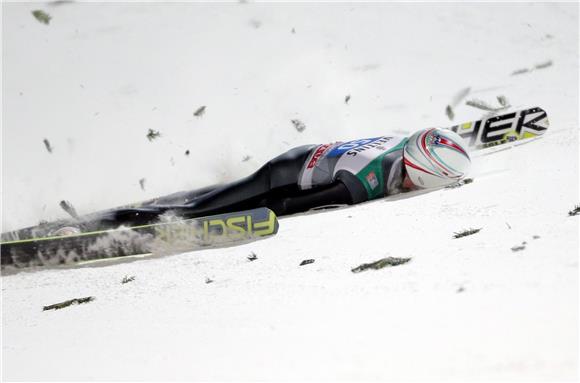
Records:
x=100, y=75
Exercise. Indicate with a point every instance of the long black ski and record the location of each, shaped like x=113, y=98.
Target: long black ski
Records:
x=166, y=237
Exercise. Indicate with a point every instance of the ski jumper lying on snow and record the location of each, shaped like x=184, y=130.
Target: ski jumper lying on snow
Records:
x=312, y=176
x=315, y=176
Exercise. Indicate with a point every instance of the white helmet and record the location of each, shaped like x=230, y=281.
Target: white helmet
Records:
x=435, y=158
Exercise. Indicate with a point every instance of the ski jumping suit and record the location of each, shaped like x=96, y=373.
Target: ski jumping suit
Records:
x=301, y=179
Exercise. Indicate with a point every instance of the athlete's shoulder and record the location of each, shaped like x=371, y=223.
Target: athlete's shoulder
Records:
x=375, y=145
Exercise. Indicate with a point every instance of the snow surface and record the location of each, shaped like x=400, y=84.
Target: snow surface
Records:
x=99, y=76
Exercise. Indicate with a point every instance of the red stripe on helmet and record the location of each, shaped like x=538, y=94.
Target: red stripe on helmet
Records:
x=424, y=140
x=451, y=144
x=427, y=152
x=409, y=163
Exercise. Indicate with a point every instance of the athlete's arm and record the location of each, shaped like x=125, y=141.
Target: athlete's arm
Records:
x=332, y=194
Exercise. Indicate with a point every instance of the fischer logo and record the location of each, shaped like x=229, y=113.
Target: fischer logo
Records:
x=317, y=154
x=217, y=229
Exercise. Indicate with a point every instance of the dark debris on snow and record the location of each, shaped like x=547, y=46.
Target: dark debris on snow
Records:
x=519, y=247
x=62, y=305
x=458, y=184
x=539, y=66
x=47, y=145
x=200, y=111
x=466, y=233
x=153, y=134
x=381, y=263
x=298, y=125
x=449, y=112
x=69, y=208
x=574, y=211
x=41, y=16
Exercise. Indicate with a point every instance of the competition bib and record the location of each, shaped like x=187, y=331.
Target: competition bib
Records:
x=352, y=156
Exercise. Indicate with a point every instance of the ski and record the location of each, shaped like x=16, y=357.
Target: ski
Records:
x=503, y=129
x=165, y=237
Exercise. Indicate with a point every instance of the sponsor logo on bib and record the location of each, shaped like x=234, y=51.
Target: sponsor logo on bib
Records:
x=372, y=180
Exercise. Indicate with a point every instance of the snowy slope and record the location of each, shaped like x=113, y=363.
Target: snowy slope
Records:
x=99, y=76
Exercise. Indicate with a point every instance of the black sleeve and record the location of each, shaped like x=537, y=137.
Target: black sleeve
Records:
x=354, y=186
x=333, y=194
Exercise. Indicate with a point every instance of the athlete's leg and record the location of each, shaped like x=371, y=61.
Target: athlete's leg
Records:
x=250, y=192
x=282, y=171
